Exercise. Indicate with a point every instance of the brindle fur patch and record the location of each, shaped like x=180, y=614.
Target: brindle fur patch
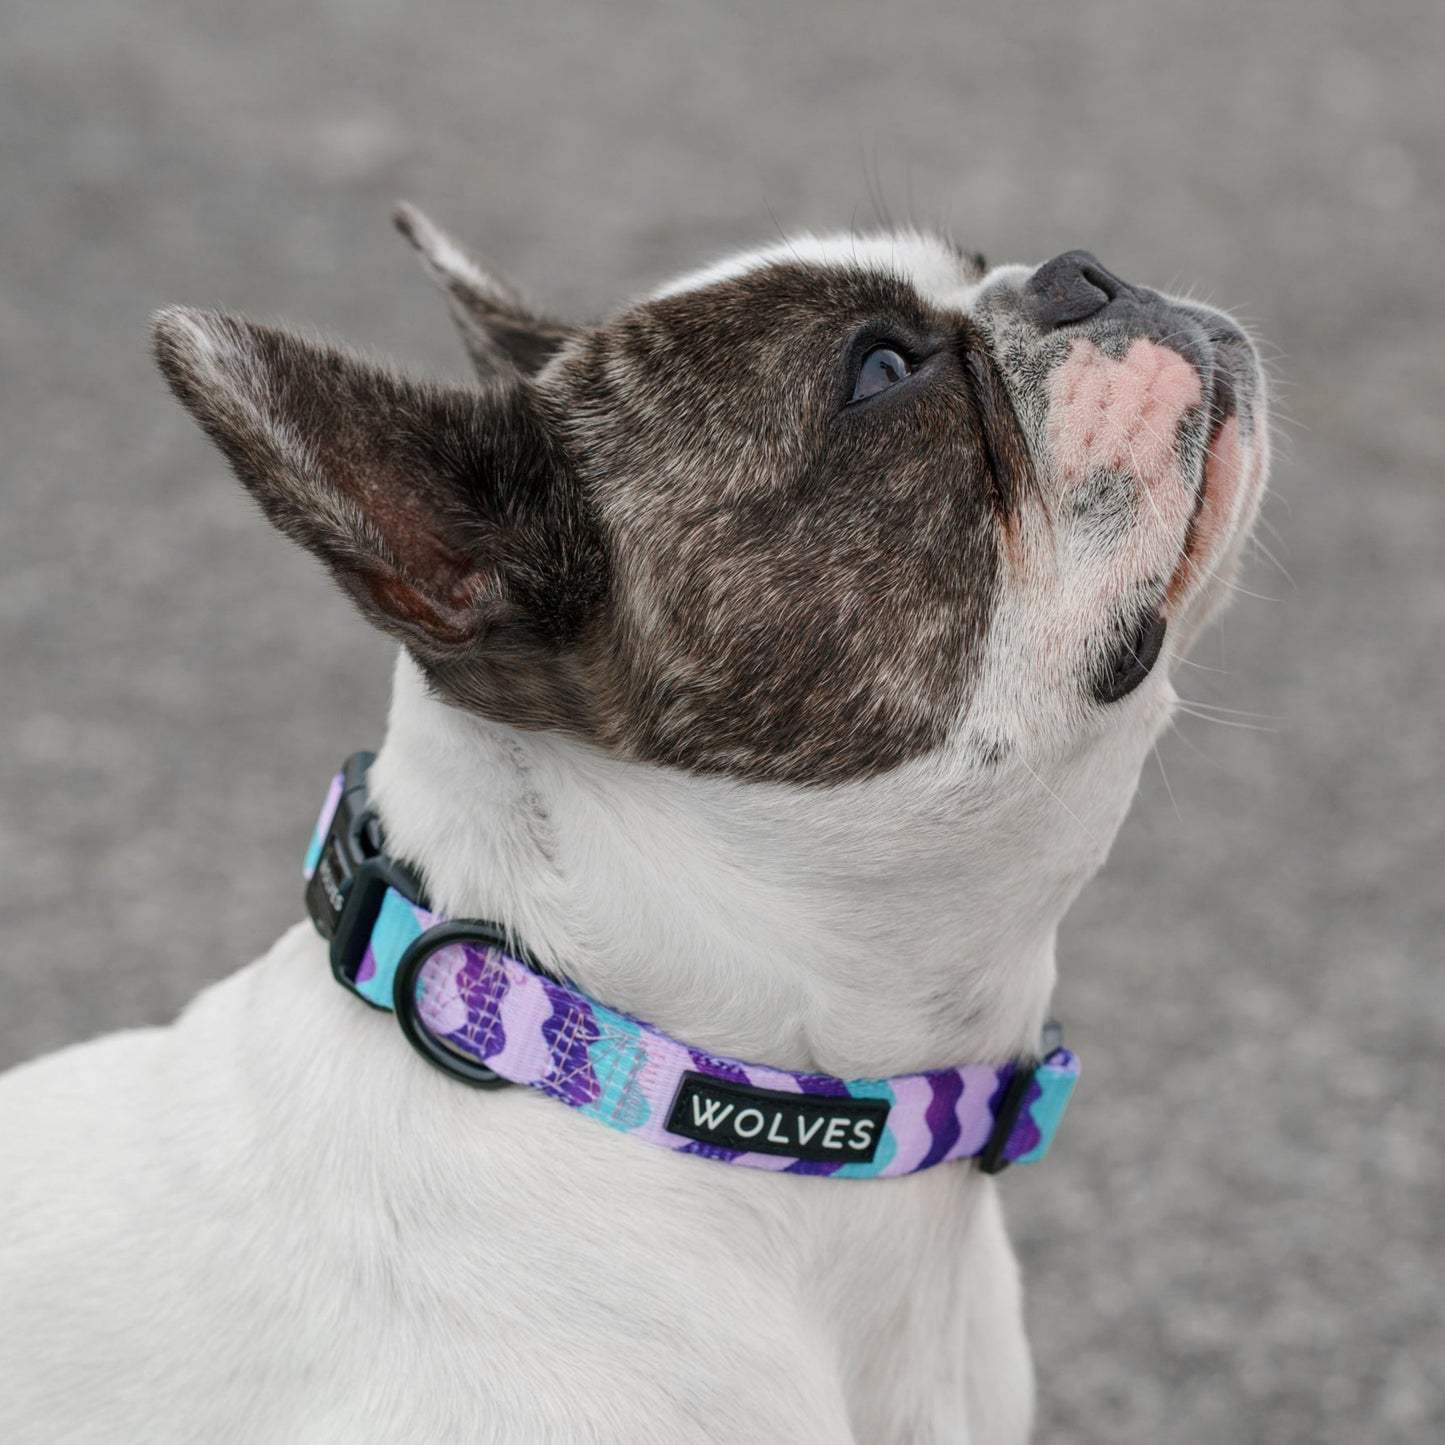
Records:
x=679, y=542
x=800, y=585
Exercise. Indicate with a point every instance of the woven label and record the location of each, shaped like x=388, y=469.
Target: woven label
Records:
x=821, y=1127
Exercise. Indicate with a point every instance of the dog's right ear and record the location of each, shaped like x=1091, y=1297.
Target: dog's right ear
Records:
x=500, y=332
x=449, y=516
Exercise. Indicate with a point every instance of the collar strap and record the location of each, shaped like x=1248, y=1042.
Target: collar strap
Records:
x=484, y=1012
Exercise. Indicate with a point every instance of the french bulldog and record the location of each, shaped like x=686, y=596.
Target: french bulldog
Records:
x=777, y=662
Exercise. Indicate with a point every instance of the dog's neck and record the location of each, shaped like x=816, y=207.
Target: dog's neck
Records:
x=902, y=923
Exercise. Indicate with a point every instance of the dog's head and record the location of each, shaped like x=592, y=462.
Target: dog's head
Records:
x=801, y=517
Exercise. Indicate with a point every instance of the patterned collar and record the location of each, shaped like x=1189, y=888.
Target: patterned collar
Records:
x=481, y=1010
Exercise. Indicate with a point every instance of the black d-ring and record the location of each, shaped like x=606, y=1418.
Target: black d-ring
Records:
x=459, y=1066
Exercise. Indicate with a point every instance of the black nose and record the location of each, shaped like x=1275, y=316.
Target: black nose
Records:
x=1072, y=287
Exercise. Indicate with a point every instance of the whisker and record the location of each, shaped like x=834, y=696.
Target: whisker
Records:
x=1087, y=831
x=1235, y=587
x=1269, y=556
x=783, y=236
x=1177, y=732
x=1225, y=722
x=874, y=181
x=1197, y=571
x=1168, y=786
x=1171, y=658
x=1271, y=529
x=1235, y=711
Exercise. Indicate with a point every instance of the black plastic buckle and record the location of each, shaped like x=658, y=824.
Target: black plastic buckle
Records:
x=344, y=894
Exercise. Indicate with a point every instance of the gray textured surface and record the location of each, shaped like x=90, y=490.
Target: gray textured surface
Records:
x=1240, y=1237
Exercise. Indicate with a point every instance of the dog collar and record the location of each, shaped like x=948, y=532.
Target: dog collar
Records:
x=480, y=1009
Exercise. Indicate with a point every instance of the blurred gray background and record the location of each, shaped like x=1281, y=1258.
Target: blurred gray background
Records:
x=1239, y=1236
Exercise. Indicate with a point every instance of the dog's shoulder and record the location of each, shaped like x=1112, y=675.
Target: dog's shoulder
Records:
x=273, y=1191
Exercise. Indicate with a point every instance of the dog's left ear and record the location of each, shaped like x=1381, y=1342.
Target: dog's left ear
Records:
x=499, y=331
x=450, y=517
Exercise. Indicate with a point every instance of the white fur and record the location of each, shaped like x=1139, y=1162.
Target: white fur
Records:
x=273, y=1222
x=931, y=267
x=373, y=1252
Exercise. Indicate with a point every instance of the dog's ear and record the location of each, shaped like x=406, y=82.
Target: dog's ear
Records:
x=498, y=330
x=449, y=516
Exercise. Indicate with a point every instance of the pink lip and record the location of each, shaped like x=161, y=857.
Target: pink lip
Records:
x=1223, y=472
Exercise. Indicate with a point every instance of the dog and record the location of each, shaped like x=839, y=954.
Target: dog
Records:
x=778, y=659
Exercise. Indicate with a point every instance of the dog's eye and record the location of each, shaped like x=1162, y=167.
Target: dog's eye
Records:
x=881, y=368
x=1134, y=660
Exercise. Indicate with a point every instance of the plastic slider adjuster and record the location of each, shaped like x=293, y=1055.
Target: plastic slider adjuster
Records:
x=991, y=1160
x=352, y=874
